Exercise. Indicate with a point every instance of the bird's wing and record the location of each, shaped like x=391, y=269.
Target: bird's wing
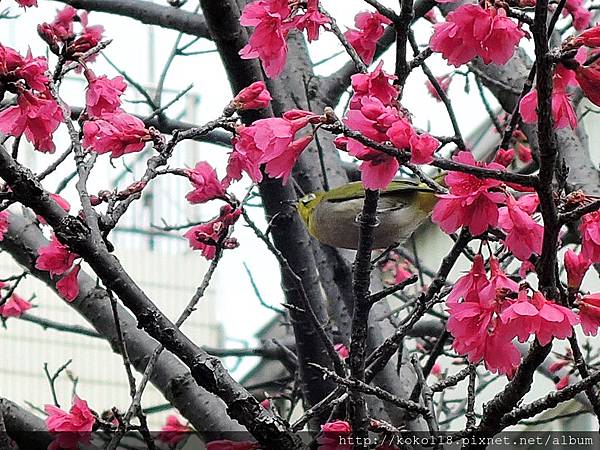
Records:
x=358, y=191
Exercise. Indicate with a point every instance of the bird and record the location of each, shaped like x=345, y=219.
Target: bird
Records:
x=333, y=217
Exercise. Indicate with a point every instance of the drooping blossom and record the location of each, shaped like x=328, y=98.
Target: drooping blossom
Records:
x=369, y=29
x=79, y=419
x=576, y=266
x=588, y=38
x=480, y=334
x=373, y=119
x=443, y=83
x=473, y=281
x=311, y=20
x=255, y=96
x=14, y=67
x=563, y=113
x=268, y=40
x=103, y=94
x=55, y=257
x=89, y=37
x=231, y=445
x=580, y=14
x=333, y=435
x=118, y=133
x=59, y=30
x=589, y=228
x=205, y=237
x=524, y=235
x=14, y=306
x=471, y=202
x=173, y=431
x=206, y=184
x=268, y=141
x=588, y=78
x=342, y=351
x=589, y=313
x=376, y=84
x=36, y=116
x=471, y=31
x=539, y=316
x=68, y=286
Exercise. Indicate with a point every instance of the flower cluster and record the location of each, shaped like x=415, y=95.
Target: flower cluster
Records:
x=62, y=39
x=57, y=259
x=272, y=21
x=471, y=31
x=206, y=237
x=271, y=142
x=71, y=427
x=374, y=113
x=487, y=314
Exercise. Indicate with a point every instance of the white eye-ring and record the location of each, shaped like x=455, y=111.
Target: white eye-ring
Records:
x=307, y=198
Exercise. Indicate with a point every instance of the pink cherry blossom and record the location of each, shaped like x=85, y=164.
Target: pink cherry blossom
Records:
x=36, y=116
x=281, y=166
x=523, y=234
x=376, y=84
x=444, y=84
x=576, y=266
x=563, y=382
x=118, y=133
x=4, y=222
x=471, y=31
x=480, y=334
x=540, y=316
x=373, y=119
x=268, y=40
x=27, y=3
x=342, y=350
x=422, y=148
x=589, y=228
x=206, y=184
x=231, y=445
x=333, y=434
x=369, y=29
x=311, y=21
x=255, y=96
x=588, y=38
x=588, y=78
x=103, y=94
x=589, y=313
x=267, y=141
x=14, y=67
x=68, y=286
x=14, y=306
x=504, y=157
x=563, y=113
x=580, y=14
x=472, y=282
x=55, y=257
x=173, y=431
x=79, y=419
x=498, y=280
x=471, y=202
x=206, y=236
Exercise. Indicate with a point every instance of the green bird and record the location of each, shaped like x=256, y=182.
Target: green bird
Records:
x=333, y=216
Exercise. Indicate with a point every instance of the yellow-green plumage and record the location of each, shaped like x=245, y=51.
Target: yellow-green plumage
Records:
x=331, y=216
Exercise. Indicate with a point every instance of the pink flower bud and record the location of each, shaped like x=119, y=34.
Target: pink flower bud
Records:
x=255, y=96
x=576, y=266
x=504, y=156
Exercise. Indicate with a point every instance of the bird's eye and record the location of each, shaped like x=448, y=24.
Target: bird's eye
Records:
x=307, y=199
